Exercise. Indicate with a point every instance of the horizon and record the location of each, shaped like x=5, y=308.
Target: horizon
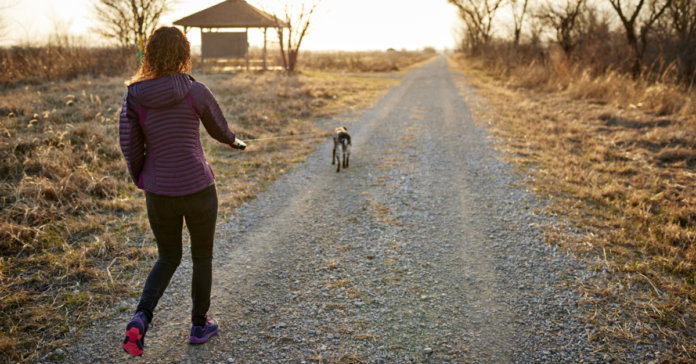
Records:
x=368, y=30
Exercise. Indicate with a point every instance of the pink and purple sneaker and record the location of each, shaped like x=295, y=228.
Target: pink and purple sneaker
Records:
x=201, y=334
x=135, y=334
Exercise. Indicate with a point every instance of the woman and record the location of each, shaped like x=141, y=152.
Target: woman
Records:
x=160, y=140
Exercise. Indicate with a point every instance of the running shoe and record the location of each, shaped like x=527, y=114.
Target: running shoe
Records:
x=135, y=334
x=201, y=334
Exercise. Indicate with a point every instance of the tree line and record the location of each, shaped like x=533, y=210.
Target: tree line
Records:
x=642, y=37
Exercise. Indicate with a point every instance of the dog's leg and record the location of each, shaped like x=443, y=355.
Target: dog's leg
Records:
x=343, y=152
x=333, y=158
x=347, y=157
x=338, y=157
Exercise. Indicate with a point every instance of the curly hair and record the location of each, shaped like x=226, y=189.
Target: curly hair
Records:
x=167, y=52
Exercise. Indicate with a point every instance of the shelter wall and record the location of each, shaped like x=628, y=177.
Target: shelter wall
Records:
x=224, y=44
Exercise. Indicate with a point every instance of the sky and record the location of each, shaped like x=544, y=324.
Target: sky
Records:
x=336, y=24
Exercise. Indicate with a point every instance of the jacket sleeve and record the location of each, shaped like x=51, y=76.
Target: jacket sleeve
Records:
x=211, y=115
x=131, y=138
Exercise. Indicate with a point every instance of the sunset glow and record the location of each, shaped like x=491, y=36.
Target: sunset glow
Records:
x=336, y=25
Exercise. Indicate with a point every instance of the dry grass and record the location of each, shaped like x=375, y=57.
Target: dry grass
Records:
x=66, y=249
x=34, y=64
x=615, y=159
x=374, y=61
x=652, y=94
x=336, y=61
x=74, y=238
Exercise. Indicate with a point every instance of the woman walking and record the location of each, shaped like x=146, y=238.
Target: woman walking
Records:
x=160, y=140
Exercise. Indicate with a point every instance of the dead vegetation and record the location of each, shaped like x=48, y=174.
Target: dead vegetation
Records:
x=73, y=232
x=374, y=61
x=61, y=60
x=66, y=249
x=328, y=61
x=614, y=157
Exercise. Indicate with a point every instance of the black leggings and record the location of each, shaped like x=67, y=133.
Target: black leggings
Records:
x=166, y=215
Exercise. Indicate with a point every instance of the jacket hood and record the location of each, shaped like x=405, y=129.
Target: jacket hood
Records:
x=161, y=92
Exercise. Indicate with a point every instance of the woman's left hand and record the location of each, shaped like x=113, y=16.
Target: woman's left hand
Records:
x=238, y=144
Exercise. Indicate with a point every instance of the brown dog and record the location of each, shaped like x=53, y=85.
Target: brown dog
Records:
x=341, y=140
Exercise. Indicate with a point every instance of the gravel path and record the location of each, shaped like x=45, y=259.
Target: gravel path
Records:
x=422, y=251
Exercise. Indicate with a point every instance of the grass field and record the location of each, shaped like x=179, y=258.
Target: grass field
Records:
x=74, y=238
x=364, y=61
x=615, y=159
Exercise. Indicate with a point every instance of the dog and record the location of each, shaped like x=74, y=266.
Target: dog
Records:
x=341, y=149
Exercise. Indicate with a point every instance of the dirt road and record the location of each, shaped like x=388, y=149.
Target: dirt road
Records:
x=422, y=251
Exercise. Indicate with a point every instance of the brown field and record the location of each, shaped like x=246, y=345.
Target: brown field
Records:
x=615, y=159
x=35, y=64
x=363, y=61
x=74, y=238
x=326, y=61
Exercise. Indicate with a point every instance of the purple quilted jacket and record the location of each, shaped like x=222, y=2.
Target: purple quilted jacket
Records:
x=160, y=137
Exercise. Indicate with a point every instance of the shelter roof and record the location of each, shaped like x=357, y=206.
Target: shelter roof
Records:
x=231, y=14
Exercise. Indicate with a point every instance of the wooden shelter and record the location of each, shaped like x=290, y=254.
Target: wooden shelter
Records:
x=236, y=14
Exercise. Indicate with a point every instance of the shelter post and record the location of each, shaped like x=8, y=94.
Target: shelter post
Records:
x=265, y=56
x=202, y=54
x=246, y=31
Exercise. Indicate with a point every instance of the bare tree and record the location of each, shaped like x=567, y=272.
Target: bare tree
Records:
x=638, y=18
x=60, y=36
x=478, y=18
x=129, y=21
x=682, y=14
x=519, y=10
x=297, y=21
x=679, y=29
x=4, y=5
x=564, y=18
